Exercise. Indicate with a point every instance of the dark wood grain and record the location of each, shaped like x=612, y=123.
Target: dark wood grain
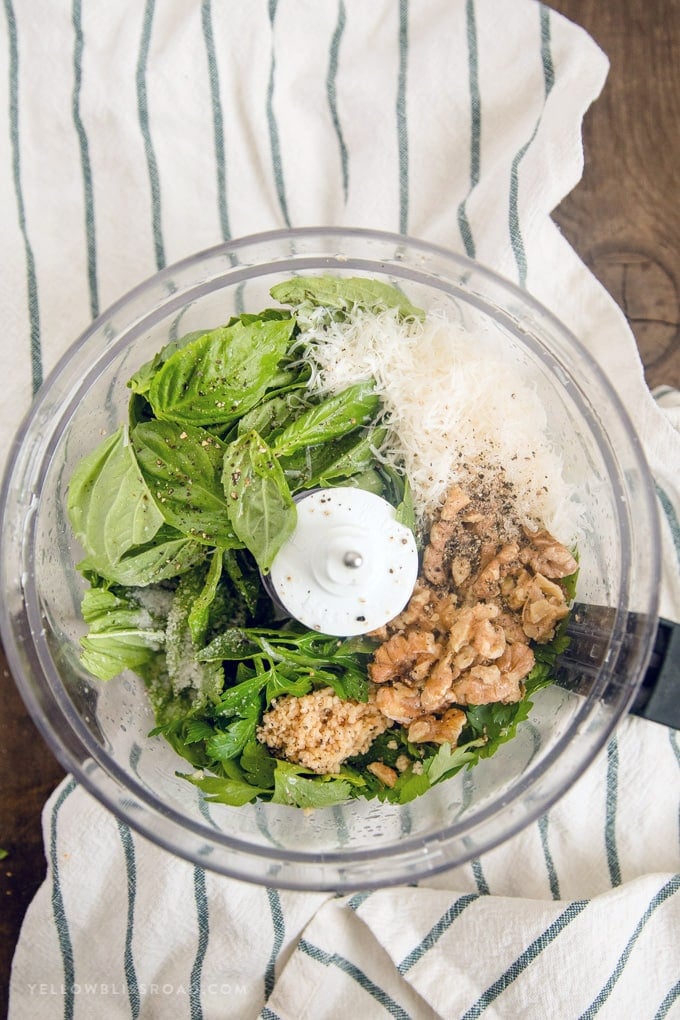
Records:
x=624, y=216
x=623, y=219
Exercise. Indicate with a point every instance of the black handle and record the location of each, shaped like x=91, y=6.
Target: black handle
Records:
x=590, y=631
x=658, y=698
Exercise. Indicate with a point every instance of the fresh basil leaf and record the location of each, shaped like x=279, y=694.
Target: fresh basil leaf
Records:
x=122, y=634
x=406, y=512
x=334, y=417
x=168, y=555
x=141, y=380
x=109, y=504
x=245, y=579
x=246, y=318
x=199, y=614
x=261, y=508
x=182, y=466
x=330, y=464
x=291, y=787
x=220, y=376
x=225, y=791
x=272, y=415
x=369, y=481
x=343, y=294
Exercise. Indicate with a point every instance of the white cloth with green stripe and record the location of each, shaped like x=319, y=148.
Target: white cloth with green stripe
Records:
x=137, y=133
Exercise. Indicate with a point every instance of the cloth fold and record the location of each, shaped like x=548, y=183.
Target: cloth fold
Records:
x=140, y=133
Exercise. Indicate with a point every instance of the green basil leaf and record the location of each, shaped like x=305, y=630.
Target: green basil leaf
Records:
x=199, y=614
x=245, y=579
x=272, y=415
x=182, y=466
x=141, y=380
x=332, y=418
x=109, y=504
x=328, y=464
x=406, y=511
x=264, y=316
x=261, y=508
x=343, y=293
x=168, y=555
x=122, y=633
x=220, y=376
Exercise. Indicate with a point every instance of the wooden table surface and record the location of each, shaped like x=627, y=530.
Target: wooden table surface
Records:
x=623, y=219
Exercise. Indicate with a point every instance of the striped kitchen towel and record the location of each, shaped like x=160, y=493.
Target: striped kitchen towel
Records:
x=139, y=132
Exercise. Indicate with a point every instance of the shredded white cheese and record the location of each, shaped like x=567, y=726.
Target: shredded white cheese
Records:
x=457, y=405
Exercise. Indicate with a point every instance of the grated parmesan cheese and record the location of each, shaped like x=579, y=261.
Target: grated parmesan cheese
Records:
x=457, y=406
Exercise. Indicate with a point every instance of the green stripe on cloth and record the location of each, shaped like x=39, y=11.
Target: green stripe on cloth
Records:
x=58, y=910
x=669, y=1000
x=351, y=970
x=436, y=932
x=671, y=517
x=355, y=901
x=673, y=737
x=279, y=924
x=274, y=142
x=668, y=890
x=203, y=922
x=675, y=746
x=479, y=877
x=129, y=962
x=143, y=113
x=402, y=126
x=516, y=239
x=543, y=823
x=546, y=53
x=343, y=834
x=527, y=957
x=86, y=167
x=332, y=95
x=218, y=119
x=610, y=812
x=475, y=126
x=31, y=277
x=405, y=820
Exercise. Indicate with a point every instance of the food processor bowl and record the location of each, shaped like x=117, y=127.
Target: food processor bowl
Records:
x=100, y=731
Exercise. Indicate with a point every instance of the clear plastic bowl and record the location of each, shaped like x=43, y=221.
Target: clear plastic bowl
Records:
x=99, y=732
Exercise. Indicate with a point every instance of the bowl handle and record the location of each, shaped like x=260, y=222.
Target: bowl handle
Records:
x=658, y=697
x=590, y=632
